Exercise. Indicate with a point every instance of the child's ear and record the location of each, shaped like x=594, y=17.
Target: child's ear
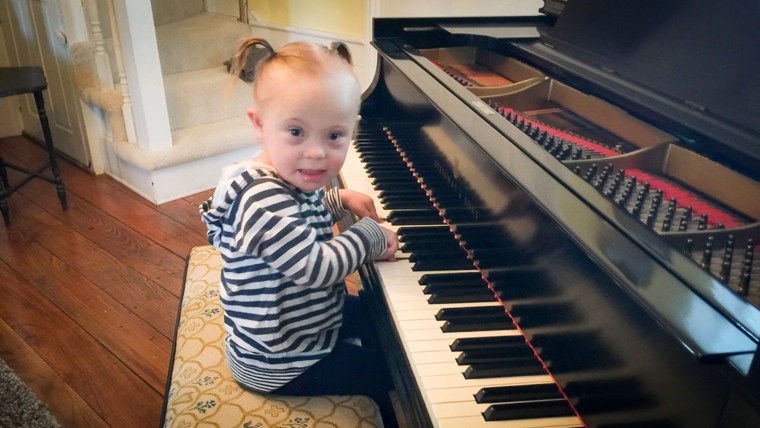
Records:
x=255, y=118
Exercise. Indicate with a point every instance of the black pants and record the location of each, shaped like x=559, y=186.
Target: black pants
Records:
x=349, y=369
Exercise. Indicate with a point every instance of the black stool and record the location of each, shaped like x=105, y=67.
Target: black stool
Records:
x=17, y=81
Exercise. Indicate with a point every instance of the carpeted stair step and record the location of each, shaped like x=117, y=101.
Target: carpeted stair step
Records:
x=204, y=96
x=198, y=42
x=193, y=143
x=166, y=11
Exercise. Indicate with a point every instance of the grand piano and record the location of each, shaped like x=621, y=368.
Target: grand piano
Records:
x=576, y=195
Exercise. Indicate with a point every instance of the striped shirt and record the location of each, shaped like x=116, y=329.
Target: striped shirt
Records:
x=282, y=276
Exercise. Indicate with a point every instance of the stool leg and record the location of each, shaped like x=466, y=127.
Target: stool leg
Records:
x=3, y=173
x=40, y=101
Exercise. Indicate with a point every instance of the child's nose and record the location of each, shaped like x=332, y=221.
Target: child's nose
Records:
x=315, y=151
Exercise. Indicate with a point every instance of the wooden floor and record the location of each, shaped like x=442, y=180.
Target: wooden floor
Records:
x=90, y=295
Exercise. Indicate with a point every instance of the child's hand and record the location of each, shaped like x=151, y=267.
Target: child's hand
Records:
x=392, y=247
x=359, y=204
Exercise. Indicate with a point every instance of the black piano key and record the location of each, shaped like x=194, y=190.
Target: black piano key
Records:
x=404, y=203
x=479, y=324
x=469, y=296
x=513, y=367
x=403, y=191
x=431, y=262
x=528, y=410
x=410, y=232
x=498, y=394
x=439, y=252
x=452, y=279
x=493, y=342
x=429, y=245
x=393, y=182
x=471, y=313
x=388, y=170
x=391, y=185
x=414, y=216
x=449, y=289
x=492, y=356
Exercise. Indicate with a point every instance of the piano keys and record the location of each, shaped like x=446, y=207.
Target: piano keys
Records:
x=554, y=269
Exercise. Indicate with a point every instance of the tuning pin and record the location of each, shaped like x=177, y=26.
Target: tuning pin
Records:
x=745, y=281
x=707, y=254
x=590, y=172
x=725, y=270
x=688, y=212
x=749, y=250
x=566, y=151
x=702, y=224
x=638, y=205
x=689, y=247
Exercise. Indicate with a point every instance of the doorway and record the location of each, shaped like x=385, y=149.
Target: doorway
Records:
x=36, y=35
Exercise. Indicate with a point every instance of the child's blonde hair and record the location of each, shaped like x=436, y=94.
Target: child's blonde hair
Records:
x=255, y=56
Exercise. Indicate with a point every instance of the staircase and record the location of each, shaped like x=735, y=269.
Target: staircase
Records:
x=206, y=105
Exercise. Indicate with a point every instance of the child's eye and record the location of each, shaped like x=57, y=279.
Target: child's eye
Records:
x=333, y=136
x=296, y=132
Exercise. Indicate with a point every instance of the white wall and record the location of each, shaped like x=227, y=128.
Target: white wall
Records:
x=11, y=123
x=445, y=8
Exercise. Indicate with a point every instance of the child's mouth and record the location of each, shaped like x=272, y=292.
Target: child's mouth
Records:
x=312, y=174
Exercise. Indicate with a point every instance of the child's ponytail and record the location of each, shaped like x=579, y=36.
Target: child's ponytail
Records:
x=251, y=52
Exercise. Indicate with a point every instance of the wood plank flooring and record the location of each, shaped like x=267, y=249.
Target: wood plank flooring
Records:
x=89, y=296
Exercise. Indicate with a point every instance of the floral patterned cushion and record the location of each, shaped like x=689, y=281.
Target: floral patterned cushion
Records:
x=201, y=390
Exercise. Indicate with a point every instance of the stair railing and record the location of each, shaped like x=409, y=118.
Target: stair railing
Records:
x=126, y=106
x=243, y=11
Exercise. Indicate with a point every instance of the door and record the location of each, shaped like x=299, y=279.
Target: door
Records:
x=36, y=35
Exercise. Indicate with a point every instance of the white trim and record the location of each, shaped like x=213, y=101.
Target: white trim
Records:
x=146, y=85
x=309, y=32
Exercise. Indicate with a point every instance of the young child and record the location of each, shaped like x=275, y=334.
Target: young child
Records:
x=286, y=310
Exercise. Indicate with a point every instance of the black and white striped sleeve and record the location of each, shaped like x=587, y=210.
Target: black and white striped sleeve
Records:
x=334, y=205
x=268, y=226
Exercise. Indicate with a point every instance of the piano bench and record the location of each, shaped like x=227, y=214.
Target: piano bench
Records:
x=200, y=389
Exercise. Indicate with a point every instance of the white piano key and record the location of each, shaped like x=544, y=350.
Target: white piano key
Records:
x=480, y=422
x=457, y=380
x=467, y=393
x=434, y=357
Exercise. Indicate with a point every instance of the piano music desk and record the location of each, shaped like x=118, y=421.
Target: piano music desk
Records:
x=200, y=388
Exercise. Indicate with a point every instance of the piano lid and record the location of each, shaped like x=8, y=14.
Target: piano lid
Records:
x=695, y=62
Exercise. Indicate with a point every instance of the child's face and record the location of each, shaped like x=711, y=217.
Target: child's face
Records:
x=306, y=125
